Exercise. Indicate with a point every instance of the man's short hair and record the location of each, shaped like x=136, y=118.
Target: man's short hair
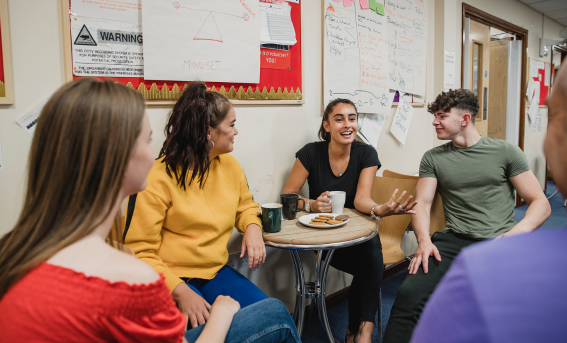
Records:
x=462, y=99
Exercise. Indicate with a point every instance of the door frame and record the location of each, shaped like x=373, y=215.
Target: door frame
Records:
x=488, y=19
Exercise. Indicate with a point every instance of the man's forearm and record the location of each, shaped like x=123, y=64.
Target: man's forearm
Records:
x=421, y=222
x=537, y=213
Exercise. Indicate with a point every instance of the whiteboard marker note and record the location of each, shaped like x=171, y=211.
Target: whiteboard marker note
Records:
x=355, y=55
x=29, y=120
x=106, y=48
x=121, y=10
x=402, y=120
x=407, y=39
x=193, y=40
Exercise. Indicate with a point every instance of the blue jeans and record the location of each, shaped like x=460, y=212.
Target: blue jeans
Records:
x=264, y=322
x=227, y=282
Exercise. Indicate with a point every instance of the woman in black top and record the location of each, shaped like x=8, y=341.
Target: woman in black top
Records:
x=338, y=163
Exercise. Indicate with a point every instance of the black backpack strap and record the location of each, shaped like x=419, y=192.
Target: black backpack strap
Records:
x=129, y=213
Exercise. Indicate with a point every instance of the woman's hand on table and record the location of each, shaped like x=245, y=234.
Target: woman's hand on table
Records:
x=191, y=304
x=395, y=207
x=254, y=243
x=323, y=203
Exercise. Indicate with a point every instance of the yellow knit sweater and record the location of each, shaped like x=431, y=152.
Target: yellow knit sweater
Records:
x=184, y=233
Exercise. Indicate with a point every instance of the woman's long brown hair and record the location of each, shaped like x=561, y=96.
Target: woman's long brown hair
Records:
x=78, y=159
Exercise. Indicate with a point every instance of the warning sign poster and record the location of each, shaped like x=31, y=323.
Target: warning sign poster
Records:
x=106, y=48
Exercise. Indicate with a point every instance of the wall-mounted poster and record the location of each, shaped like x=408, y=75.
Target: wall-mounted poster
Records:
x=6, y=86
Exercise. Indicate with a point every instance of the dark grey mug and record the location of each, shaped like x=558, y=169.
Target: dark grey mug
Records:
x=272, y=217
x=290, y=204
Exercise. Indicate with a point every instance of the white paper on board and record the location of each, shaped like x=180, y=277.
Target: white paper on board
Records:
x=540, y=65
x=1, y=164
x=193, y=40
x=29, y=120
x=407, y=41
x=402, y=120
x=534, y=108
x=122, y=10
x=536, y=122
x=449, y=71
x=276, y=25
x=537, y=90
x=372, y=127
x=533, y=69
x=355, y=50
x=530, y=90
x=547, y=74
x=106, y=48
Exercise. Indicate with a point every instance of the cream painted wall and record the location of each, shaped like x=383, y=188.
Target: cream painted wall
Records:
x=269, y=135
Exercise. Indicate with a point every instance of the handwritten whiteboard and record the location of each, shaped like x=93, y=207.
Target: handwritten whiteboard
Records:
x=366, y=54
x=407, y=42
x=213, y=40
x=355, y=57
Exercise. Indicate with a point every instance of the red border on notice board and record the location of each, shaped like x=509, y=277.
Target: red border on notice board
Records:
x=276, y=78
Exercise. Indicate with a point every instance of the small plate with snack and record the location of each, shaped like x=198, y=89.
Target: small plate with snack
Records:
x=324, y=220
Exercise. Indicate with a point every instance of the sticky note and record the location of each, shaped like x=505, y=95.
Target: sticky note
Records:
x=372, y=5
x=337, y=0
x=363, y=4
x=347, y=3
x=379, y=9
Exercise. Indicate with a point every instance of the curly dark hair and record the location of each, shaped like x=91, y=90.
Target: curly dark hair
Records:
x=186, y=146
x=462, y=99
x=324, y=135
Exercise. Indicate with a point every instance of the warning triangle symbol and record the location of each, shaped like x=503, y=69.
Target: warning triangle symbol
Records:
x=84, y=37
x=209, y=30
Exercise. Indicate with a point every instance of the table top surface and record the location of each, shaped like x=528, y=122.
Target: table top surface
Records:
x=296, y=235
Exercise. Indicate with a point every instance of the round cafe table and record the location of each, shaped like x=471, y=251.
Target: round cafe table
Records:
x=295, y=236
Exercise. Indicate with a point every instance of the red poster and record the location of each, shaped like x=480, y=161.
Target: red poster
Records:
x=274, y=59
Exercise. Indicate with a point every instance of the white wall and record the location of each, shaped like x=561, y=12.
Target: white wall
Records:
x=269, y=135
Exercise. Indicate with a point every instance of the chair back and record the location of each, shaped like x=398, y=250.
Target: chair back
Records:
x=391, y=230
x=437, y=216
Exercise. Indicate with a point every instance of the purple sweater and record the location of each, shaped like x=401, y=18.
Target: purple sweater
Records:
x=509, y=290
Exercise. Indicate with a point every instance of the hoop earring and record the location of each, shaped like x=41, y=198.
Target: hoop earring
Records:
x=213, y=143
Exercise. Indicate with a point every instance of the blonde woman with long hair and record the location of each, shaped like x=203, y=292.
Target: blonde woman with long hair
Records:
x=60, y=279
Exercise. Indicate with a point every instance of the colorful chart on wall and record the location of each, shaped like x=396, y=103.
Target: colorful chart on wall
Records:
x=370, y=48
x=216, y=41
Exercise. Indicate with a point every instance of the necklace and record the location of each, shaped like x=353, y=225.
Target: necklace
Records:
x=339, y=170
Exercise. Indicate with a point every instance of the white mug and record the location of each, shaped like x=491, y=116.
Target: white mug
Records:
x=337, y=201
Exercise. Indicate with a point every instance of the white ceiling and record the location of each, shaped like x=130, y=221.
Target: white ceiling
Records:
x=554, y=9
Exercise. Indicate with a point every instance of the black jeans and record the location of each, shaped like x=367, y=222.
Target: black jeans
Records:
x=416, y=289
x=366, y=264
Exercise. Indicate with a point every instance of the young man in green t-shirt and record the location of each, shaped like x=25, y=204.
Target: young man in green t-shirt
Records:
x=476, y=177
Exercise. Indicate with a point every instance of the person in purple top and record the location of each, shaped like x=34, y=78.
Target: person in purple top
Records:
x=512, y=289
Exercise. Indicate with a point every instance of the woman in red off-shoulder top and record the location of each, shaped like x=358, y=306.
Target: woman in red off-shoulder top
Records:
x=60, y=280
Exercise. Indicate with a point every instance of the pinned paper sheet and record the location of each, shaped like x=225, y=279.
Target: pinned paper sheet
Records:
x=536, y=122
x=533, y=69
x=534, y=108
x=371, y=128
x=402, y=120
x=29, y=120
x=379, y=9
x=364, y=4
x=530, y=90
x=347, y=3
x=547, y=74
x=276, y=25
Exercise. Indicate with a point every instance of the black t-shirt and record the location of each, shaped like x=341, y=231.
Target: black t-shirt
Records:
x=315, y=158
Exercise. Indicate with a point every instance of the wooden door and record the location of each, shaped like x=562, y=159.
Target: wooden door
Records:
x=498, y=88
x=479, y=49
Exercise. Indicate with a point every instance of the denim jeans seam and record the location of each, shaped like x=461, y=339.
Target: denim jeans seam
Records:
x=270, y=330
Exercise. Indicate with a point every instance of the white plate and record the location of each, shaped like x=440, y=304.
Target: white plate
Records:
x=306, y=219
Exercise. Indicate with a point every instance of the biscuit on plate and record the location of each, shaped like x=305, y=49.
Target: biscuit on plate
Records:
x=317, y=223
x=326, y=216
x=342, y=217
x=319, y=219
x=332, y=222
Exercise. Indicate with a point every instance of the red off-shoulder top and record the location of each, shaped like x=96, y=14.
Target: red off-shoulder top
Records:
x=56, y=304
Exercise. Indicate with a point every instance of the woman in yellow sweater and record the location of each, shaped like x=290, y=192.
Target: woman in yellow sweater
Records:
x=196, y=194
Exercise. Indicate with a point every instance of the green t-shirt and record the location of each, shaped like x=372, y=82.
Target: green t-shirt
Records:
x=474, y=182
